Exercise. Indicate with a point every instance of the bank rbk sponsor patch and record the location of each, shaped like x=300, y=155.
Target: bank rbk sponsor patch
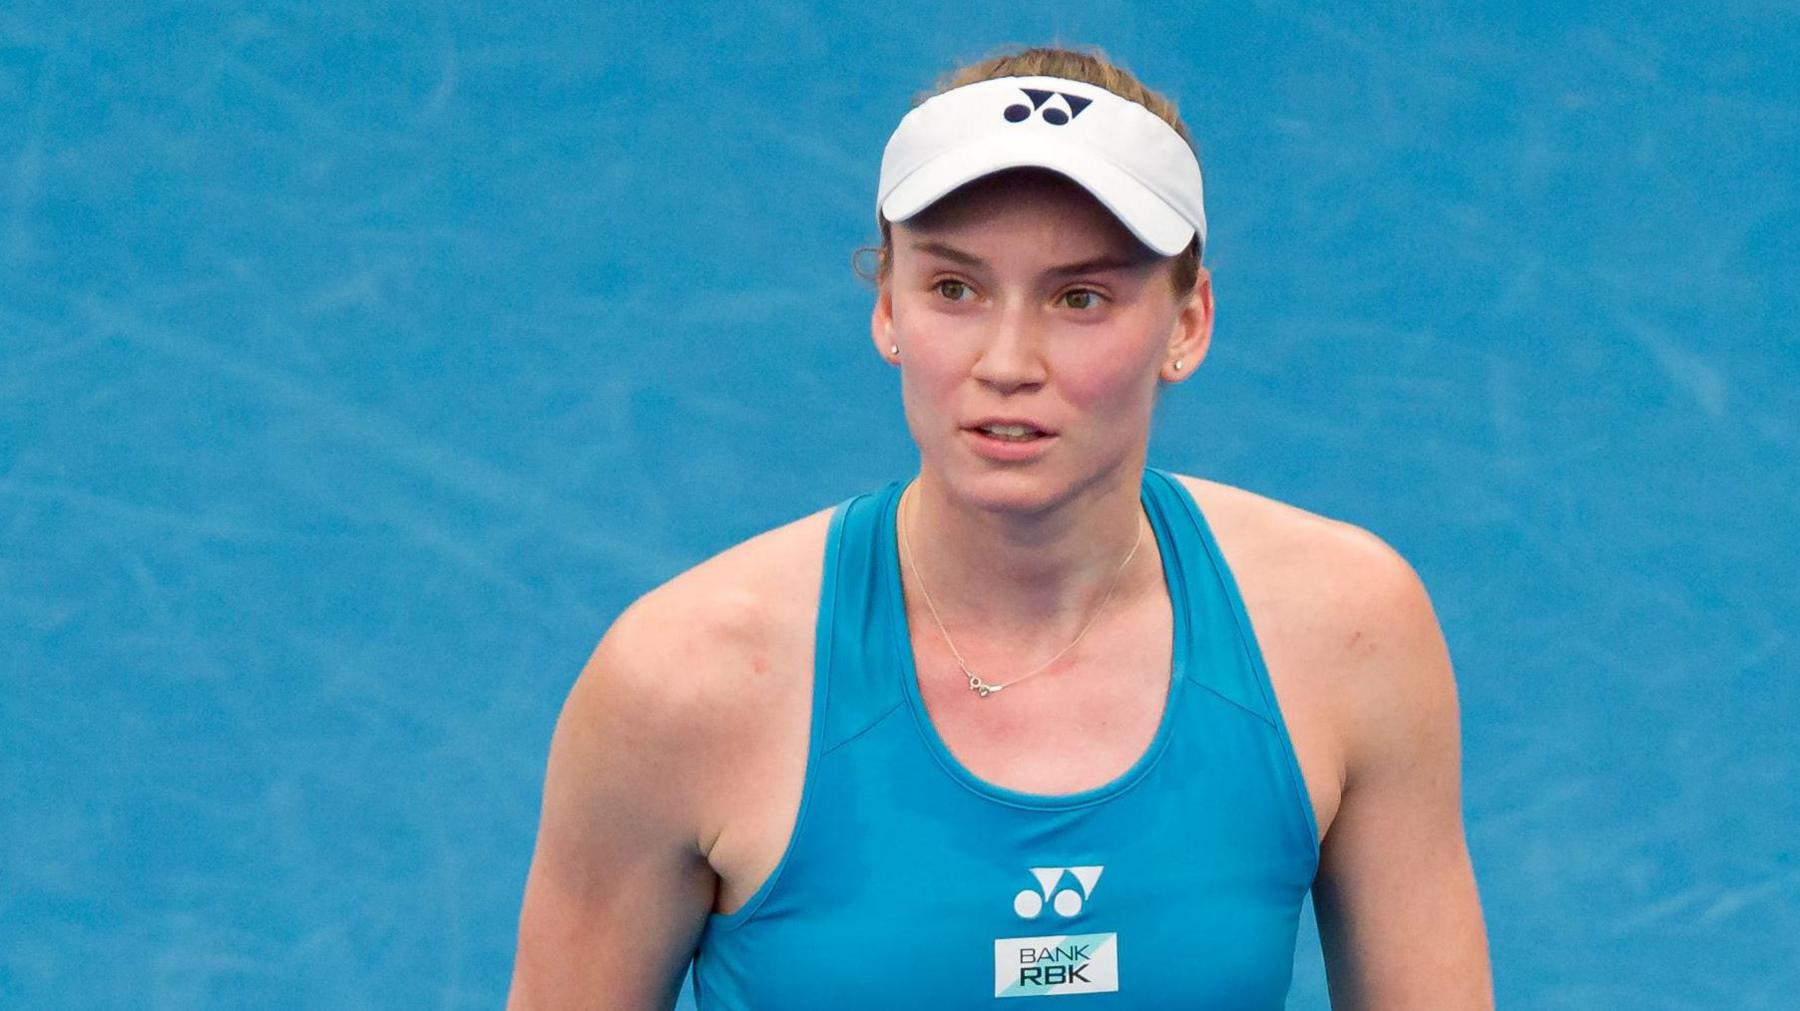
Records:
x=1056, y=964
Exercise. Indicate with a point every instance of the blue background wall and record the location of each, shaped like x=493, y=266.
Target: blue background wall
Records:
x=359, y=363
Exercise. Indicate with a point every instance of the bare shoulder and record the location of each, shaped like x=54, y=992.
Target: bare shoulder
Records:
x=1336, y=573
x=1340, y=615
x=713, y=665
x=1264, y=529
x=648, y=740
x=1349, y=630
x=698, y=635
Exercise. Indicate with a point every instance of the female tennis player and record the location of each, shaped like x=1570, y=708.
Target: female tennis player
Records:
x=1043, y=720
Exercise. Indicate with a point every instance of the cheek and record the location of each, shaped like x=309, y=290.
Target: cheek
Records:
x=1102, y=380
x=930, y=380
x=932, y=350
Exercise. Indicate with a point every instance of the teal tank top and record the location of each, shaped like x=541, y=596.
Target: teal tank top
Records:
x=910, y=883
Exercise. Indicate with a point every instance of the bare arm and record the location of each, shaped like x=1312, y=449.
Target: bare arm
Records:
x=1399, y=915
x=619, y=889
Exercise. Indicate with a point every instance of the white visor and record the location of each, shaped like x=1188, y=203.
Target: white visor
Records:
x=1122, y=153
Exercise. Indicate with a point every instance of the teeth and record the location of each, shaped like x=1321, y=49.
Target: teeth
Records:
x=1012, y=430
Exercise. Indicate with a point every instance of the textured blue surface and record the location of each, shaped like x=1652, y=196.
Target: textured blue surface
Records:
x=357, y=364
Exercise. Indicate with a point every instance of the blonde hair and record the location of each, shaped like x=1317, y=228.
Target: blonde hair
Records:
x=1089, y=66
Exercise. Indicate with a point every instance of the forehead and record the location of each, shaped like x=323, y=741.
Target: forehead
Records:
x=1036, y=202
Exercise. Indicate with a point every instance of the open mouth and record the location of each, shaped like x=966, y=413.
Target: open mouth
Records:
x=1009, y=445
x=1013, y=435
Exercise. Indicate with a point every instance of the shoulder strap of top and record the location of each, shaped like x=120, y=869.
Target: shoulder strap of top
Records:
x=1225, y=659
x=855, y=658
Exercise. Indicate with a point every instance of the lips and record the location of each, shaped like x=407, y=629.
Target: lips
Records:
x=1004, y=450
x=1026, y=422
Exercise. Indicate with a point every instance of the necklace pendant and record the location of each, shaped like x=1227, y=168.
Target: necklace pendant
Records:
x=981, y=687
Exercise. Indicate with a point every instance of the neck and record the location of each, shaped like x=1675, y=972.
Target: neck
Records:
x=1026, y=577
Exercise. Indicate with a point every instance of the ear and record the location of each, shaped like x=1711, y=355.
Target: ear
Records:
x=1191, y=334
x=881, y=322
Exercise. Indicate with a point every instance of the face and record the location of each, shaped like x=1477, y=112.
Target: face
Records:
x=1022, y=297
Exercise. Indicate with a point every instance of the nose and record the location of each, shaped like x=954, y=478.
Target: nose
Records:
x=1012, y=355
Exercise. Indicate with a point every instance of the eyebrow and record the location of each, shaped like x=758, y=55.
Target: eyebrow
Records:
x=1092, y=265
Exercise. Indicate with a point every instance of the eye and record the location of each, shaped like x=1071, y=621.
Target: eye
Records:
x=1082, y=298
x=952, y=289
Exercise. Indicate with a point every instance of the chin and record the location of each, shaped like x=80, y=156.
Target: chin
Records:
x=1039, y=485
x=999, y=490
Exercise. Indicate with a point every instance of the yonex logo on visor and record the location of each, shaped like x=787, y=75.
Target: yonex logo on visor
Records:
x=1051, y=115
x=1125, y=156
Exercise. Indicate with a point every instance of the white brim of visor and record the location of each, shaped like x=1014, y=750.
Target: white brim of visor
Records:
x=1141, y=211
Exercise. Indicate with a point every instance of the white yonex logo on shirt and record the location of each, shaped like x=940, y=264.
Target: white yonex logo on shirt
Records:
x=1066, y=901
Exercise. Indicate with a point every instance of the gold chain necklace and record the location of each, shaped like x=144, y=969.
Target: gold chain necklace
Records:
x=976, y=683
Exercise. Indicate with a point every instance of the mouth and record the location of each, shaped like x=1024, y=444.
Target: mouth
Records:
x=1009, y=448
x=1010, y=434
x=1009, y=429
